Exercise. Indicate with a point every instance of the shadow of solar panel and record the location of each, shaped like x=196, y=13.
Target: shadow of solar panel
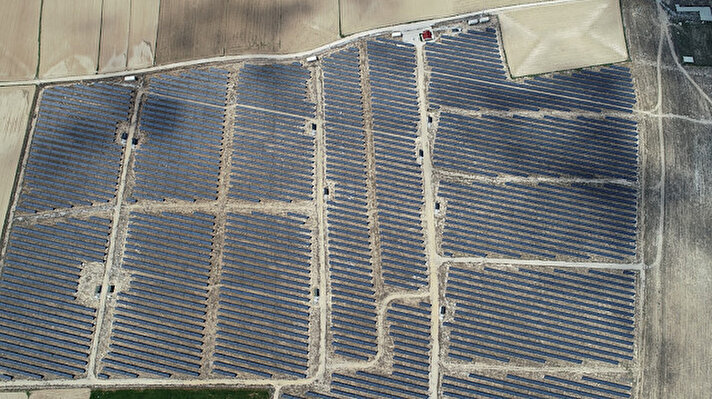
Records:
x=74, y=156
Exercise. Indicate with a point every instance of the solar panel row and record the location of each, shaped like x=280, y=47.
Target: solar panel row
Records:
x=45, y=332
x=540, y=315
x=409, y=326
x=353, y=315
x=75, y=156
x=158, y=326
x=539, y=220
x=394, y=104
x=263, y=314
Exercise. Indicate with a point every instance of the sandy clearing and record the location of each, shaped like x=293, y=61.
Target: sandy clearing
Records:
x=114, y=32
x=142, y=33
x=18, y=39
x=15, y=106
x=81, y=393
x=13, y=395
x=544, y=39
x=69, y=39
x=360, y=15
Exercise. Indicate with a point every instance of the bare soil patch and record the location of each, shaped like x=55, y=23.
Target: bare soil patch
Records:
x=543, y=39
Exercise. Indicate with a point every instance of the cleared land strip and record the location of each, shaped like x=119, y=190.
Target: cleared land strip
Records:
x=113, y=240
x=535, y=262
x=535, y=179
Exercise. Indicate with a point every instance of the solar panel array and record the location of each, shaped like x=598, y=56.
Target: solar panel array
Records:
x=394, y=103
x=409, y=331
x=159, y=319
x=278, y=88
x=550, y=146
x=207, y=86
x=178, y=157
x=272, y=158
x=467, y=72
x=45, y=333
x=227, y=292
x=263, y=313
x=181, y=133
x=75, y=156
x=353, y=309
x=273, y=144
x=592, y=218
x=520, y=385
x=541, y=220
x=540, y=315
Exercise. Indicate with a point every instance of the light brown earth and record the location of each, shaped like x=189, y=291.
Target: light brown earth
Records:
x=15, y=103
x=361, y=15
x=142, y=33
x=190, y=29
x=115, y=18
x=13, y=395
x=555, y=37
x=69, y=37
x=675, y=335
x=81, y=393
x=18, y=39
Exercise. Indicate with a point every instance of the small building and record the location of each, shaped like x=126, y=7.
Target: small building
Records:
x=426, y=35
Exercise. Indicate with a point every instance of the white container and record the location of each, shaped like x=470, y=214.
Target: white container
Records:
x=484, y=19
x=473, y=21
x=312, y=58
x=396, y=34
x=130, y=78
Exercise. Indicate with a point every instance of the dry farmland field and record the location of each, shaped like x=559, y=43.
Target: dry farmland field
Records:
x=19, y=31
x=193, y=29
x=15, y=106
x=394, y=219
x=543, y=39
x=69, y=40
